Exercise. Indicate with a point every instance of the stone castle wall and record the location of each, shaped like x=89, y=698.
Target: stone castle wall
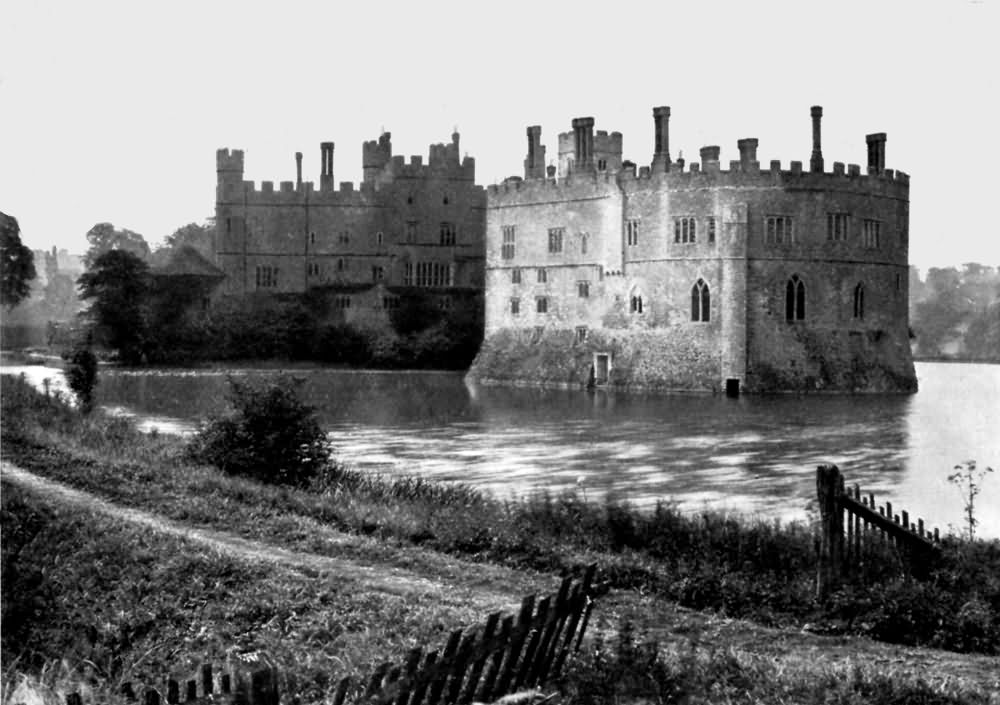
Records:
x=620, y=234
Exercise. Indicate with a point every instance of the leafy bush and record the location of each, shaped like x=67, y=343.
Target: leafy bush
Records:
x=81, y=375
x=271, y=435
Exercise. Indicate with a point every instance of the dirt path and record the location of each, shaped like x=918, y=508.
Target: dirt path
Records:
x=380, y=578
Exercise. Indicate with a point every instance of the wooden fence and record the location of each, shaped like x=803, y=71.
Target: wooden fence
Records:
x=855, y=532
x=504, y=655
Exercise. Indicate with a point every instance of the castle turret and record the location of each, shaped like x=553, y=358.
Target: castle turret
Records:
x=816, y=160
x=326, y=166
x=876, y=152
x=534, y=164
x=375, y=155
x=710, y=158
x=661, y=130
x=229, y=172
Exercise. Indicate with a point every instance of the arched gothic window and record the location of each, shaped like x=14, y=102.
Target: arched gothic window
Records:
x=859, y=301
x=795, y=299
x=700, y=302
x=635, y=303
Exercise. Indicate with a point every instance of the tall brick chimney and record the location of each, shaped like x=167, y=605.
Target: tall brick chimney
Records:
x=298, y=170
x=583, y=134
x=748, y=153
x=876, y=152
x=534, y=165
x=710, y=158
x=661, y=130
x=816, y=160
x=326, y=166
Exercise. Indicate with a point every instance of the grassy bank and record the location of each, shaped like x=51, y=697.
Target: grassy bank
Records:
x=736, y=568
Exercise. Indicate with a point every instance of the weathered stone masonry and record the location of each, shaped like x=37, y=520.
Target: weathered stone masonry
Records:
x=701, y=279
x=408, y=226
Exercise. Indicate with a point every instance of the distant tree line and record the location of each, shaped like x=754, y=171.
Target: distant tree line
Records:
x=955, y=313
x=148, y=319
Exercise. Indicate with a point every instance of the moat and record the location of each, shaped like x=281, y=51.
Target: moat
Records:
x=754, y=454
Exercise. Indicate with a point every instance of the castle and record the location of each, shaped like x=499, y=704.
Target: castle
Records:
x=700, y=279
x=408, y=227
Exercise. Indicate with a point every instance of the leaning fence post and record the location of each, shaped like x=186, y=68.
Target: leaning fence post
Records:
x=829, y=488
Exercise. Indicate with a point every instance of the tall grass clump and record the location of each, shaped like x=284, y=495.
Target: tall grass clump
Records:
x=270, y=435
x=633, y=668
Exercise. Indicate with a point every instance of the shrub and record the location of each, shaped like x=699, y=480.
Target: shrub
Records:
x=271, y=435
x=81, y=375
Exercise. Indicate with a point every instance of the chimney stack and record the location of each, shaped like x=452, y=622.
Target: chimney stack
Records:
x=583, y=133
x=661, y=129
x=816, y=161
x=298, y=170
x=710, y=158
x=876, y=152
x=534, y=165
x=748, y=153
x=326, y=166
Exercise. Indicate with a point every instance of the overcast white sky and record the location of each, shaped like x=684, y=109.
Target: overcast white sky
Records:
x=112, y=111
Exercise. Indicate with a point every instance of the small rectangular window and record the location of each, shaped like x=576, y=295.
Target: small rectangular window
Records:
x=555, y=240
x=836, y=226
x=872, y=234
x=583, y=289
x=515, y=276
x=685, y=230
x=542, y=304
x=632, y=232
x=543, y=276
x=515, y=307
x=448, y=234
x=581, y=334
x=711, y=230
x=778, y=230
x=411, y=231
x=507, y=248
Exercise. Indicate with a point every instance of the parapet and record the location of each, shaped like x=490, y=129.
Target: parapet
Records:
x=229, y=160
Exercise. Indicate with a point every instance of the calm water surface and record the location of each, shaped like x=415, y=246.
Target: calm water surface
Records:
x=753, y=454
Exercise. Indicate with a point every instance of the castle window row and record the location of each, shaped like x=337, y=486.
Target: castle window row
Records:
x=428, y=274
x=342, y=302
x=267, y=277
x=685, y=229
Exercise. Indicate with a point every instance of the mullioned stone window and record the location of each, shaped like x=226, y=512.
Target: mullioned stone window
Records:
x=448, y=233
x=507, y=247
x=635, y=304
x=542, y=276
x=515, y=307
x=515, y=276
x=872, y=234
x=837, y=226
x=314, y=269
x=700, y=302
x=632, y=232
x=556, y=240
x=378, y=273
x=342, y=302
x=267, y=277
x=581, y=334
x=583, y=289
x=779, y=230
x=795, y=299
x=542, y=304
x=411, y=231
x=685, y=229
x=711, y=223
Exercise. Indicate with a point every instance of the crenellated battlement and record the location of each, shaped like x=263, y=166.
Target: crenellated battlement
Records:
x=890, y=182
x=290, y=193
x=229, y=160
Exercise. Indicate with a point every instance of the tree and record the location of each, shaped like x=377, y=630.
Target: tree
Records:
x=200, y=237
x=118, y=285
x=17, y=263
x=103, y=237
